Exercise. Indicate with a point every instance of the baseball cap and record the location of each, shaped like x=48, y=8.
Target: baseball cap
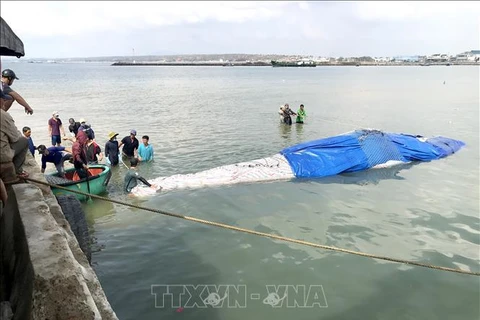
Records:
x=55, y=113
x=82, y=120
x=134, y=132
x=8, y=73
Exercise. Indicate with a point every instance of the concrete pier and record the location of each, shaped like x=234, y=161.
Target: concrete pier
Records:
x=45, y=274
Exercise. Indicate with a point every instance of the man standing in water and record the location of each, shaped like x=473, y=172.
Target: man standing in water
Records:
x=55, y=127
x=145, y=150
x=73, y=127
x=111, y=149
x=301, y=114
x=130, y=145
x=94, y=152
x=8, y=77
x=80, y=155
x=132, y=176
x=287, y=113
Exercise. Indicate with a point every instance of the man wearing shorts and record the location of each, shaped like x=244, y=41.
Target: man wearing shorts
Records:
x=55, y=128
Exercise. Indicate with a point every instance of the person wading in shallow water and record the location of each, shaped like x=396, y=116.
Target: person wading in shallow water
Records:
x=130, y=145
x=94, y=152
x=55, y=127
x=301, y=114
x=145, y=150
x=74, y=126
x=80, y=154
x=287, y=113
x=132, y=176
x=111, y=149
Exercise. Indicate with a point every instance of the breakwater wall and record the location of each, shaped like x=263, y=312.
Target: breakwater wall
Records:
x=191, y=64
x=268, y=64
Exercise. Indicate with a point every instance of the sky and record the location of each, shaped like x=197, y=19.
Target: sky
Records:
x=63, y=29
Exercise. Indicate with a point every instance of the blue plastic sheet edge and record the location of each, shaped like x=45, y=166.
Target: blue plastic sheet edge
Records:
x=346, y=153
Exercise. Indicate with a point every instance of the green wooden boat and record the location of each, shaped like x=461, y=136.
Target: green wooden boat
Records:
x=98, y=181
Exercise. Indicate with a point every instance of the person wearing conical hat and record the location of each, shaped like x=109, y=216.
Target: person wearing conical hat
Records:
x=111, y=149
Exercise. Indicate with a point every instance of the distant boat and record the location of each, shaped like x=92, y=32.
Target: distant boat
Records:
x=296, y=64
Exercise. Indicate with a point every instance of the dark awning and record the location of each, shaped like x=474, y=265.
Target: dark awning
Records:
x=10, y=44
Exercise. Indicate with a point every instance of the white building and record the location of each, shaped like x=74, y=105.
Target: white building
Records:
x=382, y=59
x=438, y=58
x=473, y=55
x=322, y=60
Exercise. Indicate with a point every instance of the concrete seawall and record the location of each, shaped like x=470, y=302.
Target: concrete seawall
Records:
x=45, y=274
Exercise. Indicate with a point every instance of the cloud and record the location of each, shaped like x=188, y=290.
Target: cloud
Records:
x=96, y=28
x=413, y=10
x=76, y=17
x=303, y=5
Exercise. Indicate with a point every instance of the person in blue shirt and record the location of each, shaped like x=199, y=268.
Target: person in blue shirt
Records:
x=55, y=155
x=145, y=150
x=27, y=133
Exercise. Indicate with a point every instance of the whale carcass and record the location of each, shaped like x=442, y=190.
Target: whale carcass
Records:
x=349, y=152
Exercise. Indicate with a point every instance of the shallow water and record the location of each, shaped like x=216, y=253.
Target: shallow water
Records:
x=203, y=117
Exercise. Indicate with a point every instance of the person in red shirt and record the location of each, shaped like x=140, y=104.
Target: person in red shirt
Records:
x=55, y=128
x=94, y=152
x=79, y=148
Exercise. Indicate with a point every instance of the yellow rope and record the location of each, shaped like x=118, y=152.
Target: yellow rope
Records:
x=272, y=236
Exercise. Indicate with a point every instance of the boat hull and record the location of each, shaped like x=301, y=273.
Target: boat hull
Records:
x=97, y=183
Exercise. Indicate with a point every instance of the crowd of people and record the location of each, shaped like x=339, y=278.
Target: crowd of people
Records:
x=286, y=114
x=84, y=152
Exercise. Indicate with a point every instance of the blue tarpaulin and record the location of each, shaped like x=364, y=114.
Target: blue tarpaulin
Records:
x=363, y=149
